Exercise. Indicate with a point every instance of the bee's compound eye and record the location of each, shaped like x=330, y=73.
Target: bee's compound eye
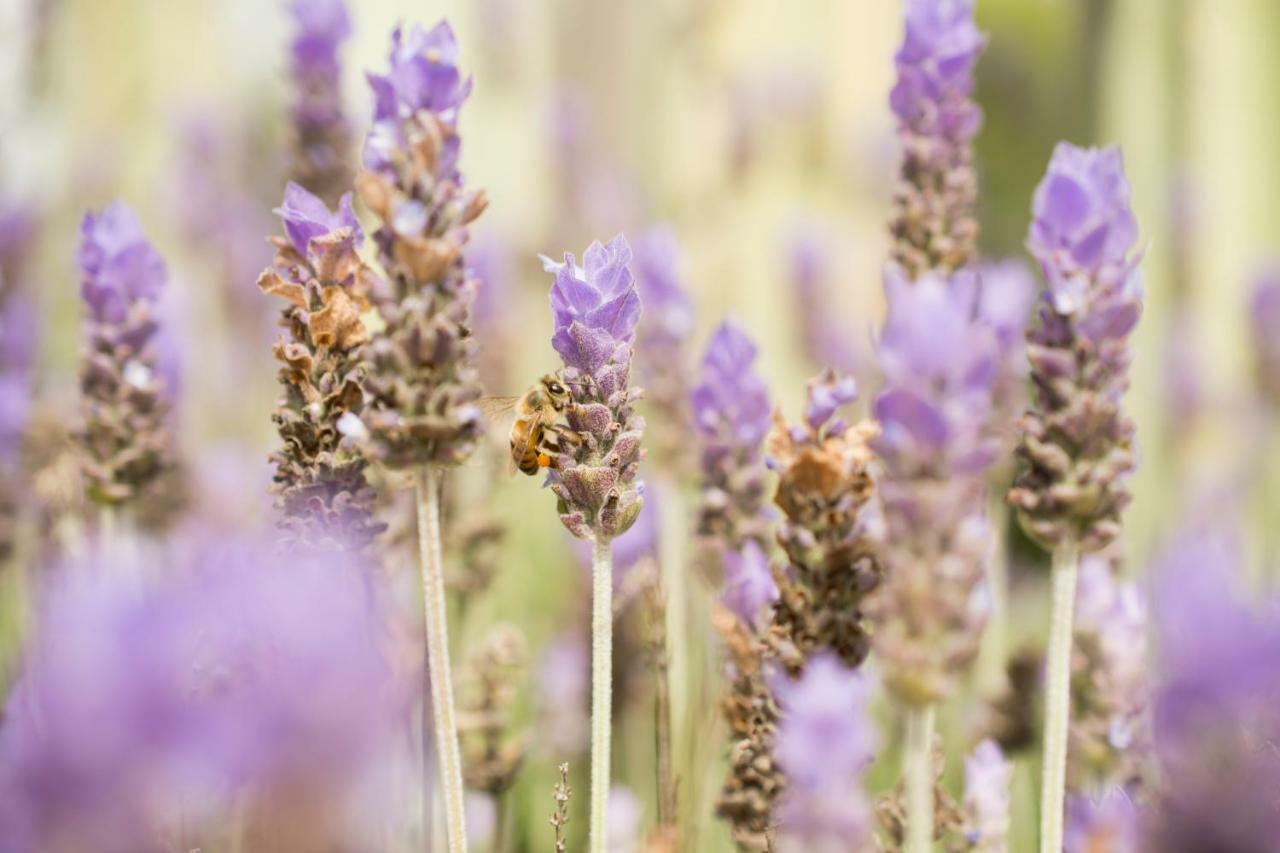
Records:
x=555, y=388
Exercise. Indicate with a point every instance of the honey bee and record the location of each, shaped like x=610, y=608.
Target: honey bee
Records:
x=535, y=428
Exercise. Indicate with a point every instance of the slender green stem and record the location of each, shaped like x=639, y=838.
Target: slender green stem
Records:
x=1057, y=705
x=667, y=817
x=501, y=822
x=601, y=689
x=431, y=564
x=918, y=770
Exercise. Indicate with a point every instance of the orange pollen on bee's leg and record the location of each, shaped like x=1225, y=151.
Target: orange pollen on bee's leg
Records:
x=546, y=461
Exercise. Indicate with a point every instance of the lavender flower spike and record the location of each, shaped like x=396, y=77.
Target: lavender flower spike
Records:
x=320, y=144
x=824, y=492
x=934, y=412
x=125, y=440
x=825, y=743
x=1076, y=443
x=320, y=485
x=939, y=368
x=987, y=776
x=731, y=411
x=420, y=380
x=662, y=360
x=596, y=309
x=934, y=225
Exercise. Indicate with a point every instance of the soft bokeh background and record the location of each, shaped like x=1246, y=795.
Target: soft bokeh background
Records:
x=743, y=124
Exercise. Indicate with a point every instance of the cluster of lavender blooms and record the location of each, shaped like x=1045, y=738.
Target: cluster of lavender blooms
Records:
x=17, y=351
x=126, y=439
x=1109, y=742
x=662, y=341
x=825, y=743
x=237, y=684
x=596, y=309
x=934, y=222
x=1076, y=442
x=1264, y=316
x=939, y=368
x=824, y=489
x=420, y=383
x=319, y=136
x=321, y=491
x=731, y=412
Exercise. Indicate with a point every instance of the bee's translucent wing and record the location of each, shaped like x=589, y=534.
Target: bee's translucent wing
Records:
x=497, y=409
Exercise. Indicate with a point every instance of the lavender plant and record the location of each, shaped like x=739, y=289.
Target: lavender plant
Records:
x=1075, y=449
x=731, y=413
x=319, y=136
x=321, y=492
x=987, y=776
x=125, y=441
x=939, y=367
x=824, y=488
x=420, y=384
x=596, y=309
x=934, y=223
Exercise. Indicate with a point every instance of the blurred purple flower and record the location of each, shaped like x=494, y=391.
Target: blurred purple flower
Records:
x=1107, y=824
x=668, y=315
x=823, y=338
x=934, y=222
x=939, y=363
x=1077, y=444
x=158, y=693
x=306, y=217
x=494, y=311
x=1217, y=717
x=825, y=742
x=1264, y=321
x=1110, y=741
x=935, y=65
x=1006, y=296
x=118, y=265
x=321, y=28
x=563, y=694
x=987, y=777
x=748, y=583
x=731, y=412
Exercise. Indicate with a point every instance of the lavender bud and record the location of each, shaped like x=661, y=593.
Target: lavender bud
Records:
x=126, y=443
x=749, y=586
x=596, y=309
x=1076, y=442
x=824, y=488
x=934, y=225
x=420, y=381
x=320, y=486
x=825, y=743
x=934, y=413
x=731, y=413
x=319, y=136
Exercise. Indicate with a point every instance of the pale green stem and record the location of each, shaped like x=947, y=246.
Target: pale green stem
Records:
x=918, y=770
x=995, y=638
x=431, y=564
x=601, y=689
x=1057, y=704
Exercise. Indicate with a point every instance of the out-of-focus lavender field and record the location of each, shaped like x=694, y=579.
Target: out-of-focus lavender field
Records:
x=919, y=384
